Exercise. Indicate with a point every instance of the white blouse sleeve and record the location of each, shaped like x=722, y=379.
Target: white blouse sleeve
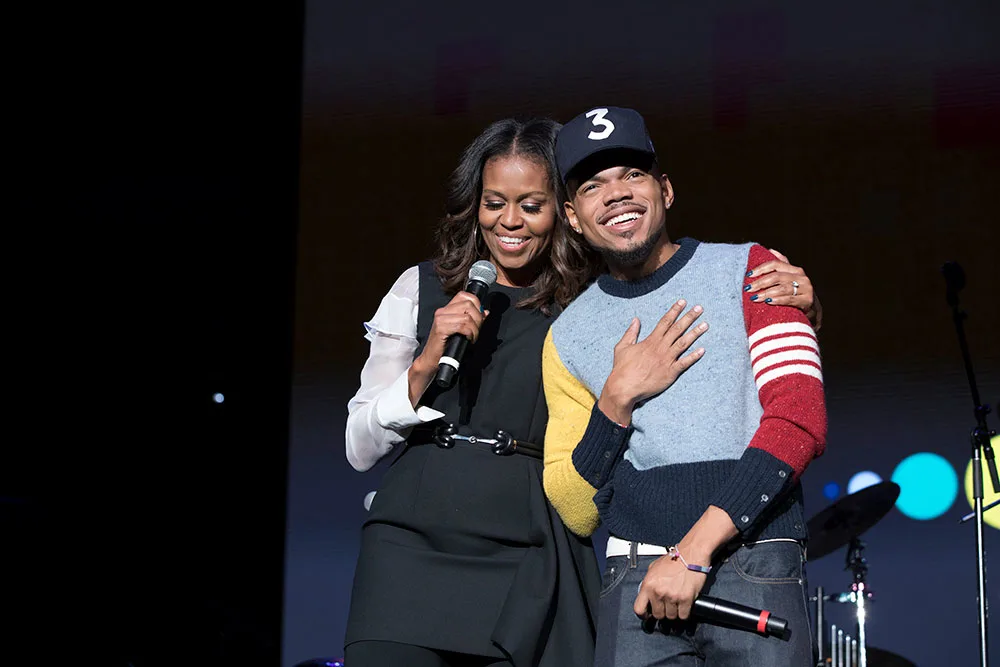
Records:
x=380, y=415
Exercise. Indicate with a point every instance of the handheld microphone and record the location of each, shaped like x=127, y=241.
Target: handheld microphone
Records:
x=732, y=614
x=739, y=616
x=481, y=276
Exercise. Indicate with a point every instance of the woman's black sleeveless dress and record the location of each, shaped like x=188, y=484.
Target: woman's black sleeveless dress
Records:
x=461, y=550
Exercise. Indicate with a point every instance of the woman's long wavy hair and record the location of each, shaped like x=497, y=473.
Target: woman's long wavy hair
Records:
x=571, y=264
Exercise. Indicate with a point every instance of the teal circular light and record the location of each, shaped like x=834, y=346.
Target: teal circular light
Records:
x=928, y=486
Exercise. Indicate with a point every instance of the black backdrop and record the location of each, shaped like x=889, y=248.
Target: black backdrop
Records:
x=155, y=159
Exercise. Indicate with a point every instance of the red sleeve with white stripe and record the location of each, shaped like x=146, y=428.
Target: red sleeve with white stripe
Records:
x=784, y=353
x=788, y=372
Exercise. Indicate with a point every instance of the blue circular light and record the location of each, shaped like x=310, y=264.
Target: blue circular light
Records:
x=831, y=490
x=218, y=398
x=928, y=485
x=862, y=480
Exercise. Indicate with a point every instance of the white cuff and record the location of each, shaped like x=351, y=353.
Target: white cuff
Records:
x=393, y=410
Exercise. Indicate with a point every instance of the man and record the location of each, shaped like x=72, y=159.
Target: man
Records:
x=691, y=460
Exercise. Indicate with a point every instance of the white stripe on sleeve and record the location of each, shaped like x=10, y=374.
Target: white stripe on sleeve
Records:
x=780, y=343
x=779, y=329
x=782, y=371
x=788, y=355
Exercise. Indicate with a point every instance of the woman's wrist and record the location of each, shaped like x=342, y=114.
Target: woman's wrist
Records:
x=419, y=378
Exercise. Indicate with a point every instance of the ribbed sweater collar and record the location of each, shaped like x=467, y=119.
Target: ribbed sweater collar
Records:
x=629, y=289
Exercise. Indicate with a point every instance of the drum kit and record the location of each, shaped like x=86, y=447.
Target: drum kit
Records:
x=837, y=526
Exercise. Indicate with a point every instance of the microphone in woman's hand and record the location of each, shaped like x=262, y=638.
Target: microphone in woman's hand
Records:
x=482, y=275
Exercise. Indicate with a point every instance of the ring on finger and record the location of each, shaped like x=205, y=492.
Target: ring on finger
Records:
x=795, y=288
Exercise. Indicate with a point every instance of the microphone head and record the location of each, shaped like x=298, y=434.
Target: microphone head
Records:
x=953, y=275
x=954, y=278
x=484, y=272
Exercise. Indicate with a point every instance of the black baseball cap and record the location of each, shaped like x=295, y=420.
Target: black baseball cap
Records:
x=598, y=130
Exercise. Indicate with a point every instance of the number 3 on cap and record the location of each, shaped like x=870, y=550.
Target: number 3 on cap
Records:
x=600, y=121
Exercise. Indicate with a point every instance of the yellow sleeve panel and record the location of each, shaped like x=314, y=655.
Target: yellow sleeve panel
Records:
x=570, y=404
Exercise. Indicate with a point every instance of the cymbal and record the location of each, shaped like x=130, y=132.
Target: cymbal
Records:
x=849, y=517
x=877, y=657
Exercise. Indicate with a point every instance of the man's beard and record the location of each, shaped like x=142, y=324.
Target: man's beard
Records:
x=633, y=256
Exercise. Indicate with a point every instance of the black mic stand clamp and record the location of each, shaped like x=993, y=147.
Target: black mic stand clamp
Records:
x=981, y=441
x=981, y=449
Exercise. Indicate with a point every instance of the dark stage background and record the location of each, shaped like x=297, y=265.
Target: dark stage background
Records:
x=154, y=153
x=861, y=139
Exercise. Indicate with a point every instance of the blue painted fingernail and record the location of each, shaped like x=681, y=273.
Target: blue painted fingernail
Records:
x=754, y=297
x=746, y=288
x=749, y=273
x=767, y=300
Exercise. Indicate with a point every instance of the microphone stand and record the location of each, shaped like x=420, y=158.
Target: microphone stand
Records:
x=860, y=594
x=971, y=515
x=981, y=449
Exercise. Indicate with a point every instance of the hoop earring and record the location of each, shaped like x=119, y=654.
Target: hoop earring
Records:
x=477, y=237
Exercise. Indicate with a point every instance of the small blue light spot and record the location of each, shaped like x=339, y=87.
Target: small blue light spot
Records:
x=862, y=480
x=218, y=398
x=831, y=490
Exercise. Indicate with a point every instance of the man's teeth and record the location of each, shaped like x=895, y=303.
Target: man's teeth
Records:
x=512, y=240
x=624, y=217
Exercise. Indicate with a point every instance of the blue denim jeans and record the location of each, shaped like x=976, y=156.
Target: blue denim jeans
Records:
x=766, y=575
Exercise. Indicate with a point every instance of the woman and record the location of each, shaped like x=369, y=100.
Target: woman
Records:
x=463, y=561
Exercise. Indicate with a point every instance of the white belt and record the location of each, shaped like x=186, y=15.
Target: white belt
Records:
x=620, y=547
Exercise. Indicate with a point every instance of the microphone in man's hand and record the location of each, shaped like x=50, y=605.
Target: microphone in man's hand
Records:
x=735, y=615
x=739, y=616
x=481, y=276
